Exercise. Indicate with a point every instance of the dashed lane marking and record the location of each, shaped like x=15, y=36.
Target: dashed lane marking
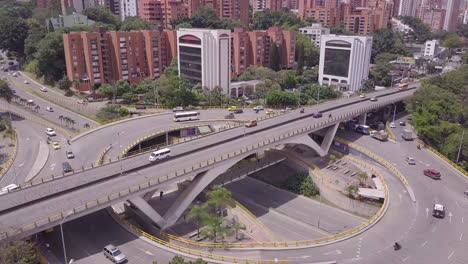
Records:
x=451, y=254
x=423, y=244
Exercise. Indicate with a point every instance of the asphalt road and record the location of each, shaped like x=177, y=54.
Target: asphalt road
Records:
x=75, y=198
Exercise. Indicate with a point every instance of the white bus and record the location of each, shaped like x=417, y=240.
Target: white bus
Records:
x=186, y=116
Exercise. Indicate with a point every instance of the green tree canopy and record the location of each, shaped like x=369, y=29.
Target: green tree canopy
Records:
x=275, y=57
x=134, y=23
x=205, y=17
x=278, y=98
x=388, y=41
x=13, y=32
x=16, y=9
x=18, y=252
x=453, y=41
x=421, y=31
x=50, y=57
x=283, y=18
x=6, y=92
x=102, y=15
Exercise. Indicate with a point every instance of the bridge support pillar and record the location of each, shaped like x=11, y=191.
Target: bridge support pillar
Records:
x=363, y=119
x=147, y=210
x=167, y=138
x=188, y=195
x=328, y=135
x=261, y=154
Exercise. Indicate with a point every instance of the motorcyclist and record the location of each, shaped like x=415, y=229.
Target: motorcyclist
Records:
x=397, y=246
x=302, y=110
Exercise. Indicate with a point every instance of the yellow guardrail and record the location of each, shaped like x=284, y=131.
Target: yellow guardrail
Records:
x=200, y=254
x=377, y=158
x=100, y=160
x=389, y=131
x=453, y=164
x=12, y=156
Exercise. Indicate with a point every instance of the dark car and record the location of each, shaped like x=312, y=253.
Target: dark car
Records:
x=402, y=123
x=66, y=167
x=140, y=107
x=317, y=115
x=238, y=111
x=229, y=116
x=431, y=173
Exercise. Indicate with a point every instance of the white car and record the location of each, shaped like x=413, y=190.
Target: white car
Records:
x=373, y=99
x=49, y=109
x=81, y=101
x=25, y=82
x=258, y=108
x=392, y=125
x=30, y=101
x=9, y=188
x=50, y=132
x=43, y=89
x=410, y=161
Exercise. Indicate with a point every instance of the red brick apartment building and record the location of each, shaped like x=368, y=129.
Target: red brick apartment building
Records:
x=94, y=58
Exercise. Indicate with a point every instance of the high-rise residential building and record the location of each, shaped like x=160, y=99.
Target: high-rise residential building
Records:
x=326, y=12
x=285, y=40
x=240, y=52
x=344, y=61
x=150, y=10
x=395, y=8
x=407, y=8
x=204, y=56
x=364, y=17
x=315, y=32
x=95, y=58
x=225, y=9
x=128, y=8
x=259, y=47
x=451, y=15
x=431, y=13
x=112, y=5
x=258, y=5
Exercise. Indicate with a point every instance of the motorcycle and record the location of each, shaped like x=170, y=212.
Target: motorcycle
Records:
x=302, y=110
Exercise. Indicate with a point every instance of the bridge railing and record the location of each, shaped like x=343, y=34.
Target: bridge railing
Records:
x=178, y=173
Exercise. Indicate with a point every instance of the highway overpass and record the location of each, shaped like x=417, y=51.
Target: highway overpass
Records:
x=44, y=205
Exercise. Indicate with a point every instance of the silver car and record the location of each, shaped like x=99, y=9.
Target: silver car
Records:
x=114, y=254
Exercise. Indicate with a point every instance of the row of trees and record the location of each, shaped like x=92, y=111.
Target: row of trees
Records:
x=205, y=17
x=209, y=217
x=440, y=113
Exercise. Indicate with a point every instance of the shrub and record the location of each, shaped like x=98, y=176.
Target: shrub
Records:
x=301, y=183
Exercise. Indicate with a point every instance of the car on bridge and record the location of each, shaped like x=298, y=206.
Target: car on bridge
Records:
x=402, y=123
x=433, y=174
x=66, y=167
x=251, y=123
x=25, y=82
x=258, y=108
x=238, y=111
x=229, y=116
x=160, y=154
x=50, y=132
x=438, y=211
x=232, y=108
x=114, y=254
x=49, y=109
x=269, y=112
x=177, y=109
x=9, y=188
x=392, y=125
x=410, y=161
x=317, y=115
x=373, y=99
x=43, y=89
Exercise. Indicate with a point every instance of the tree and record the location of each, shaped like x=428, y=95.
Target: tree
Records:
x=352, y=190
x=20, y=252
x=307, y=53
x=36, y=32
x=287, y=79
x=134, y=23
x=362, y=177
x=278, y=98
x=102, y=15
x=421, y=31
x=332, y=159
x=13, y=32
x=283, y=18
x=106, y=91
x=219, y=197
x=462, y=30
x=205, y=17
x=388, y=41
x=50, y=57
x=453, y=41
x=64, y=83
x=181, y=260
x=199, y=214
x=8, y=132
x=6, y=92
x=368, y=86
x=379, y=73
x=275, y=57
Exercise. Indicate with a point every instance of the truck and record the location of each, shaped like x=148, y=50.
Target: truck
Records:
x=380, y=135
x=407, y=134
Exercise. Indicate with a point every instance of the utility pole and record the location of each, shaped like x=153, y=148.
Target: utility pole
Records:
x=461, y=145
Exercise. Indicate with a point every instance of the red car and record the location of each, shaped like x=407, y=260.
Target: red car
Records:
x=432, y=174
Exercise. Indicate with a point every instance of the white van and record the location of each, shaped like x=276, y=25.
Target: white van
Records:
x=160, y=154
x=9, y=188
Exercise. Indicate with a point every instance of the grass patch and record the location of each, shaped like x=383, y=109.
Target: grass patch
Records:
x=30, y=75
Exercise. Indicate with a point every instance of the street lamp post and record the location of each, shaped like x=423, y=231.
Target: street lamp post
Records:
x=461, y=144
x=63, y=239
x=394, y=111
x=120, y=152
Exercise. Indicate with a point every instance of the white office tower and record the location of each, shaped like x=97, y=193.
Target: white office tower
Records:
x=344, y=61
x=204, y=56
x=128, y=8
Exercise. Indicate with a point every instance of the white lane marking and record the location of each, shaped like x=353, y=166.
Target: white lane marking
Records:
x=427, y=212
x=400, y=196
x=461, y=236
x=146, y=252
x=423, y=244
x=450, y=217
x=334, y=252
x=462, y=220
x=27, y=139
x=434, y=229
x=451, y=254
x=21, y=165
x=52, y=166
x=405, y=259
x=456, y=202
